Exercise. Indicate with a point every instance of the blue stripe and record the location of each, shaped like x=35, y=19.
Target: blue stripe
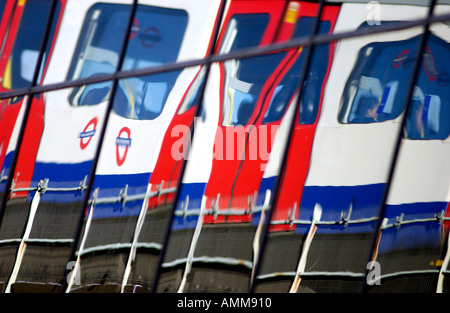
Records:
x=365, y=201
x=71, y=175
x=60, y=176
x=5, y=169
x=423, y=234
x=193, y=191
x=112, y=186
x=267, y=183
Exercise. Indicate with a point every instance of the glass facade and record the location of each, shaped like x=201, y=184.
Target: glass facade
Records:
x=283, y=165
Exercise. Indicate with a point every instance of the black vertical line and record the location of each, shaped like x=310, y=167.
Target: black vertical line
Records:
x=278, y=181
x=397, y=147
x=12, y=168
x=199, y=110
x=93, y=168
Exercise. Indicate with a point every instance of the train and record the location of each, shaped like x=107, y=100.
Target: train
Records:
x=255, y=165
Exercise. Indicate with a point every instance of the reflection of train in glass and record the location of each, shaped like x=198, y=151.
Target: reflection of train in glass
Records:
x=18, y=63
x=102, y=167
x=351, y=157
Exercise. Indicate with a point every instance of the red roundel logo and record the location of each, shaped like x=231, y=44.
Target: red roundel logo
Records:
x=398, y=61
x=87, y=133
x=134, y=29
x=123, y=142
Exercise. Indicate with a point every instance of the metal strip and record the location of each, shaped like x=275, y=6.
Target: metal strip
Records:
x=259, y=229
x=206, y=259
x=117, y=246
x=305, y=250
x=137, y=231
x=23, y=244
x=190, y=256
x=309, y=274
x=83, y=242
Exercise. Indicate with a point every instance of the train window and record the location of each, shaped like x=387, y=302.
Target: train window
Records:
x=245, y=78
x=313, y=84
x=22, y=61
x=155, y=38
x=429, y=110
x=97, y=51
x=375, y=90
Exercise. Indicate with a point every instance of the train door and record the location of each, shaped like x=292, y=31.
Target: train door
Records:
x=231, y=85
x=298, y=150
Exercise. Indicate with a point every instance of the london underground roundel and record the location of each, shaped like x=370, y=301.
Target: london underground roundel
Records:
x=123, y=142
x=87, y=133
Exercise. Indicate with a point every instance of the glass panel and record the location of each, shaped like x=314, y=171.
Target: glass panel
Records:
x=22, y=60
x=51, y=177
x=290, y=82
x=98, y=46
x=137, y=176
x=19, y=62
x=341, y=166
x=281, y=250
x=211, y=224
x=244, y=78
x=50, y=182
x=243, y=88
x=97, y=51
x=376, y=88
x=415, y=237
x=140, y=97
